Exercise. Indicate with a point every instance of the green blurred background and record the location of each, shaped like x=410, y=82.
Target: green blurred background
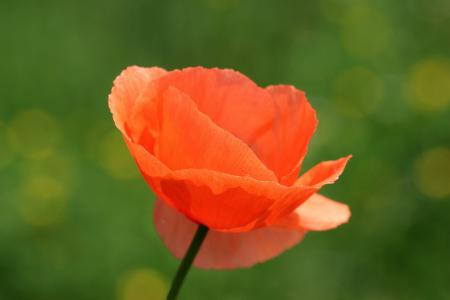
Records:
x=76, y=217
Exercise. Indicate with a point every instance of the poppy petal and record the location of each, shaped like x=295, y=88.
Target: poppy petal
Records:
x=188, y=139
x=126, y=90
x=147, y=162
x=284, y=147
x=318, y=213
x=222, y=250
x=232, y=101
x=225, y=202
x=326, y=172
x=220, y=201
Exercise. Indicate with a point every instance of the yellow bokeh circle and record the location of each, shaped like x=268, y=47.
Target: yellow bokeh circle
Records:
x=59, y=166
x=365, y=32
x=428, y=86
x=33, y=134
x=432, y=173
x=42, y=201
x=142, y=284
x=46, y=186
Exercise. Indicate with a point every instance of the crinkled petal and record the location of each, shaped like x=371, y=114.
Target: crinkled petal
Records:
x=127, y=88
x=222, y=250
x=326, y=172
x=284, y=146
x=318, y=213
x=146, y=162
x=221, y=201
x=225, y=202
x=189, y=139
x=232, y=101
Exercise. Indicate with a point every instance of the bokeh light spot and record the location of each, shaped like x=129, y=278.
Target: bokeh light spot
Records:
x=428, y=87
x=33, y=134
x=114, y=156
x=142, y=284
x=358, y=92
x=432, y=173
x=59, y=166
x=365, y=32
x=42, y=201
x=45, y=189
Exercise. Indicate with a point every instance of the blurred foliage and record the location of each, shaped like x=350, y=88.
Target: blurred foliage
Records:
x=76, y=218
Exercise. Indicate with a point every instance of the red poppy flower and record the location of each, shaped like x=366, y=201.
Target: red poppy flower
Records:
x=220, y=151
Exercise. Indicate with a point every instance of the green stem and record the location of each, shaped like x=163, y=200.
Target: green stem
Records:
x=186, y=263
